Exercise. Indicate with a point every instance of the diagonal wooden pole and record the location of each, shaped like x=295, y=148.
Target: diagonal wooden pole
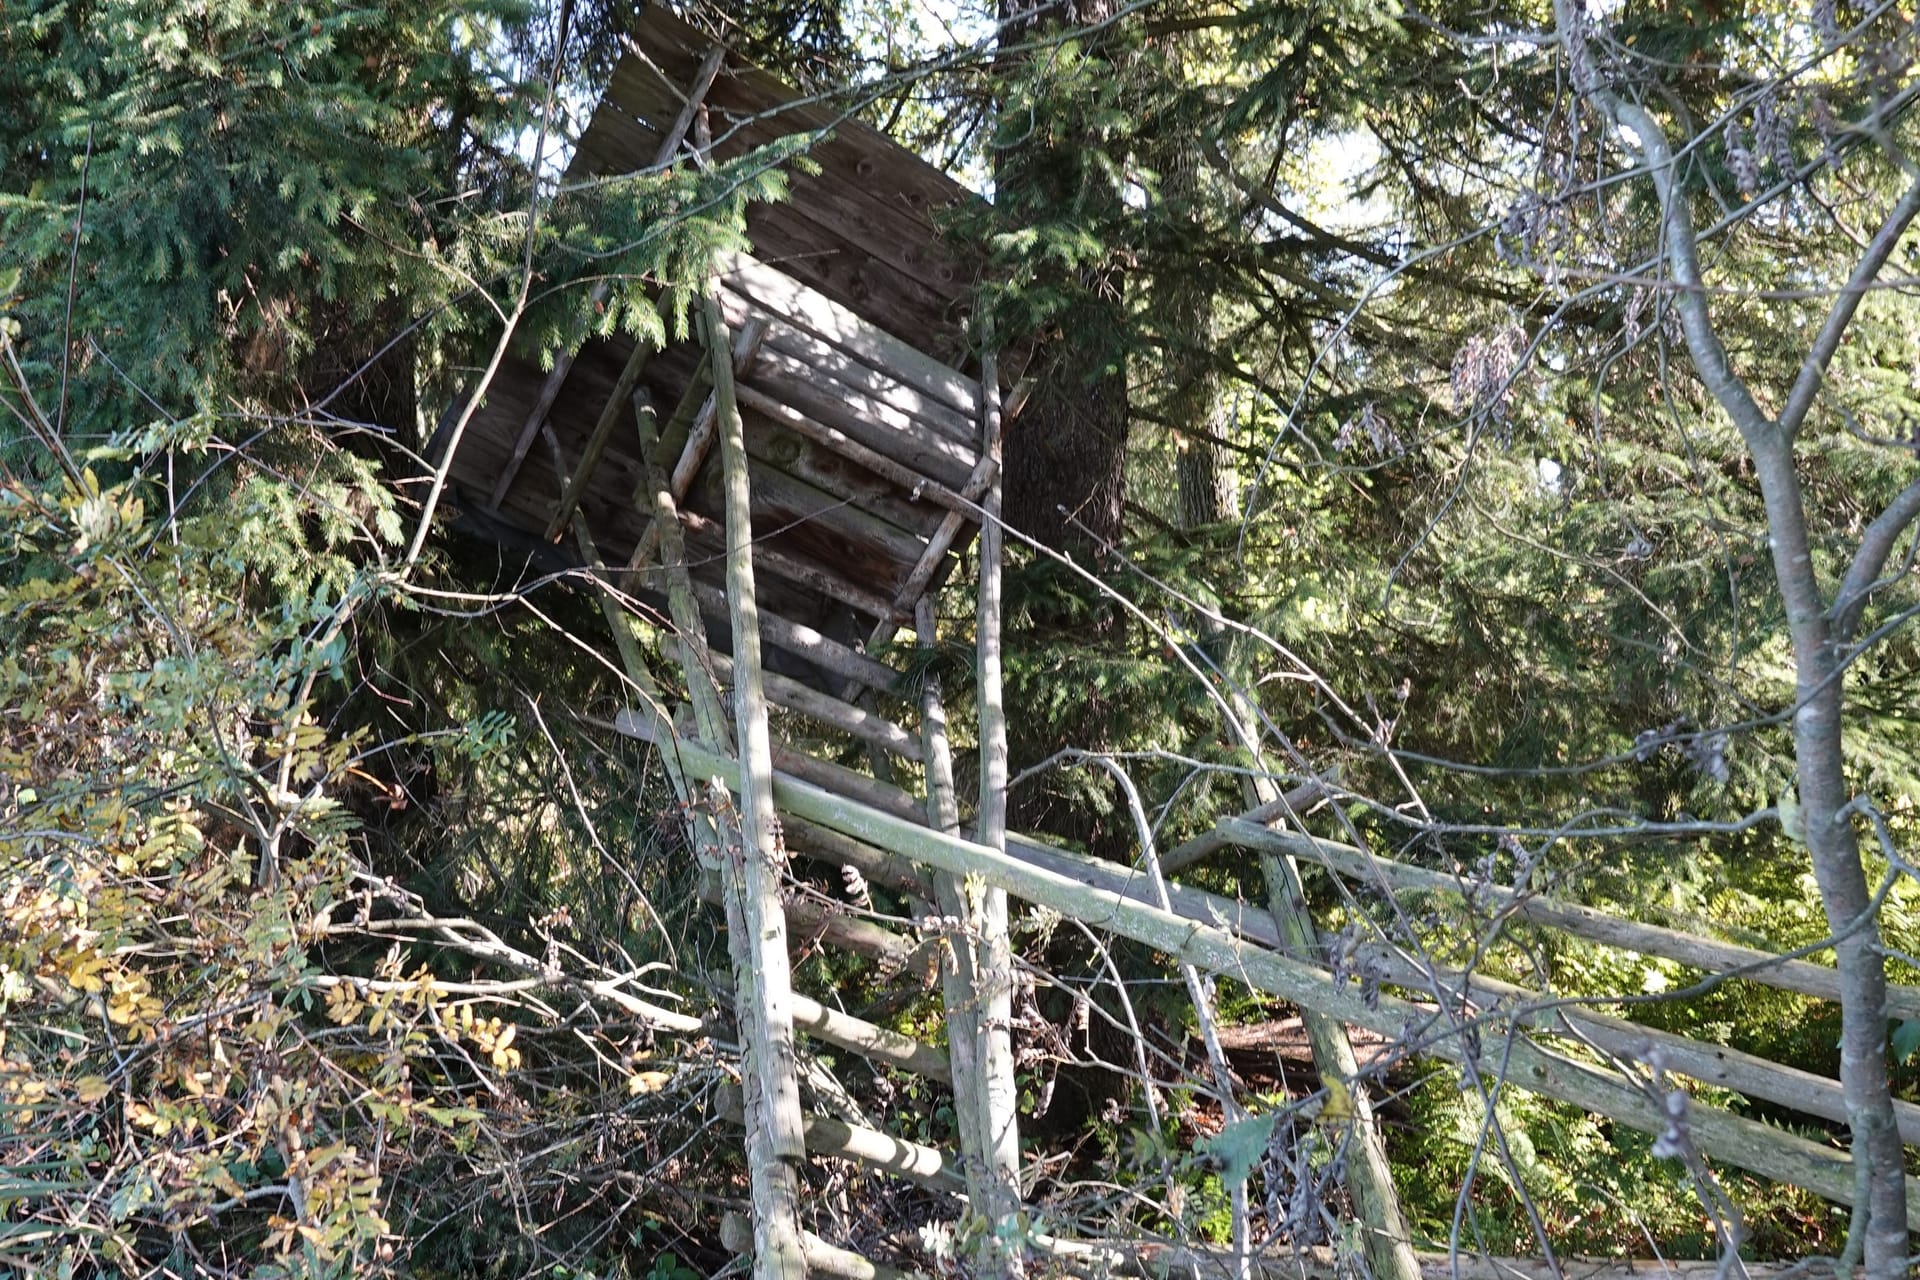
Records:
x=774, y=1131
x=959, y=978
x=1376, y=1202
x=1003, y=1252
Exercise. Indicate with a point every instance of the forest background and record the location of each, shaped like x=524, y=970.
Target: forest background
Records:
x=1428, y=376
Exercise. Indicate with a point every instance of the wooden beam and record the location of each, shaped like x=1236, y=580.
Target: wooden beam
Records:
x=1713, y=1064
x=806, y=642
x=796, y=570
x=858, y=1036
x=828, y=710
x=984, y=474
x=840, y=327
x=610, y=413
x=542, y=405
x=698, y=406
x=913, y=1161
x=813, y=920
x=1293, y=804
x=1516, y=1060
x=882, y=428
x=774, y=1132
x=810, y=840
x=901, y=473
x=696, y=93
x=1585, y=922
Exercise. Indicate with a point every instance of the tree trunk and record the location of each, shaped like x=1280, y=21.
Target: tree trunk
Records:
x=1066, y=454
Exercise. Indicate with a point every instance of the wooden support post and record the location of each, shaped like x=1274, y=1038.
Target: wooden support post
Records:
x=1388, y=1244
x=736, y=1234
x=1717, y=1133
x=959, y=976
x=950, y=525
x=696, y=406
x=1002, y=1253
x=773, y=1091
x=563, y=360
x=610, y=413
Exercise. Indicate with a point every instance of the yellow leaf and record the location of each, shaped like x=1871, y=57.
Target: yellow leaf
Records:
x=90, y=1089
x=648, y=1081
x=1338, y=1108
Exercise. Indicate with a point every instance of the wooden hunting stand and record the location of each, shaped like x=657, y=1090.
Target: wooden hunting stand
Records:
x=791, y=490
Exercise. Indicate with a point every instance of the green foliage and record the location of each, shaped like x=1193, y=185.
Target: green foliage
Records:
x=254, y=186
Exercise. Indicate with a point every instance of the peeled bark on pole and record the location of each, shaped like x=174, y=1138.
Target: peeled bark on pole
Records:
x=987, y=901
x=774, y=1134
x=1388, y=1244
x=959, y=980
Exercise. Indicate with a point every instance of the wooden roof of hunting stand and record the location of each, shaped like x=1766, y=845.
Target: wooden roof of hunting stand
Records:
x=850, y=327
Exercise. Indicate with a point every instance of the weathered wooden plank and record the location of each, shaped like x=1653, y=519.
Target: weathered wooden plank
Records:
x=843, y=207
x=823, y=527
x=825, y=468
x=855, y=721
x=885, y=431
x=1748, y=1144
x=610, y=413
x=806, y=642
x=710, y=533
x=817, y=356
x=842, y=327
x=903, y=404
x=887, y=297
x=1596, y=926
x=861, y=152
x=906, y=475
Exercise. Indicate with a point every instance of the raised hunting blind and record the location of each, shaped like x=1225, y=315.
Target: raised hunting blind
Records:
x=786, y=492
x=863, y=415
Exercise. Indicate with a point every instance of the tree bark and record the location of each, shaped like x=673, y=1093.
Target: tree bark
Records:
x=774, y=1135
x=1065, y=462
x=1833, y=846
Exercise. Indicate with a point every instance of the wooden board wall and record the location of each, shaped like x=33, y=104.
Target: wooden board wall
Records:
x=863, y=231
